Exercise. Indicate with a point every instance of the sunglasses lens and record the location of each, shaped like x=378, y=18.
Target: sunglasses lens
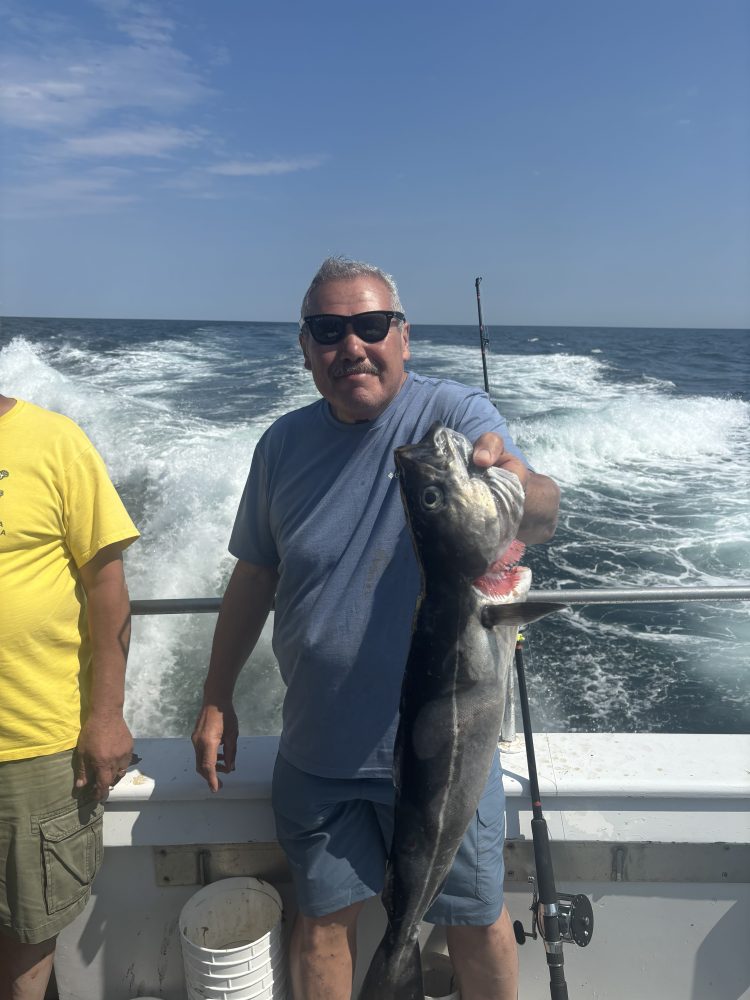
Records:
x=372, y=326
x=327, y=329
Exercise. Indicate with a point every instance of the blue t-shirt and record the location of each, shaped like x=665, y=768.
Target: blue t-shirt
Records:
x=322, y=506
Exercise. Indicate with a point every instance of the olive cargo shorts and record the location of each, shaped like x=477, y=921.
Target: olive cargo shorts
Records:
x=50, y=846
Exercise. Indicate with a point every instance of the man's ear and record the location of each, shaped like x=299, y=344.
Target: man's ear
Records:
x=405, y=349
x=303, y=345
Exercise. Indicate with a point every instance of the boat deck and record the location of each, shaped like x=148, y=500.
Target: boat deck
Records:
x=654, y=829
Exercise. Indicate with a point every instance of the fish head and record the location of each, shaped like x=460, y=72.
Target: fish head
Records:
x=463, y=518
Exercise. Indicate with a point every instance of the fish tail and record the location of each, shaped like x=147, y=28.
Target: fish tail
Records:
x=395, y=972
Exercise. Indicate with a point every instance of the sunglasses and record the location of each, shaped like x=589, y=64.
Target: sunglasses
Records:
x=371, y=327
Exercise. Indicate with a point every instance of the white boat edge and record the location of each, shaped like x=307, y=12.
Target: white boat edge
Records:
x=654, y=828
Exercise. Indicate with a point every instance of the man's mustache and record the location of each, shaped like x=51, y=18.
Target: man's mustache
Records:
x=362, y=368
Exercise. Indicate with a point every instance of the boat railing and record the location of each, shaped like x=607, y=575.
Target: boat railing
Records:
x=176, y=606
x=562, y=597
x=603, y=595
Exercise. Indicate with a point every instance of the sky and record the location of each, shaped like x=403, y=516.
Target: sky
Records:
x=185, y=159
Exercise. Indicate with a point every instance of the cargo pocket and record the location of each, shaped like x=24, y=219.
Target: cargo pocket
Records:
x=71, y=852
x=490, y=840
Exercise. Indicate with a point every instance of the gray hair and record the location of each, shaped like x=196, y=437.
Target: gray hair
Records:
x=344, y=269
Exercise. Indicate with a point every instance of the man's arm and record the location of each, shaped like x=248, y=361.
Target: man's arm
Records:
x=104, y=743
x=247, y=602
x=542, y=493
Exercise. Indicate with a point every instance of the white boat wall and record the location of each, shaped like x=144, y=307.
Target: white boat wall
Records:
x=655, y=829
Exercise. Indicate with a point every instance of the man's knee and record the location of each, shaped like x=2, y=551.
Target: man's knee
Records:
x=315, y=932
x=497, y=934
x=25, y=968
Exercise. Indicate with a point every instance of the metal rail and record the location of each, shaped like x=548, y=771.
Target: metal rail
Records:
x=176, y=606
x=645, y=595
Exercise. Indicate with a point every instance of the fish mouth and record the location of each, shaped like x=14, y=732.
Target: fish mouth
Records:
x=505, y=581
x=495, y=497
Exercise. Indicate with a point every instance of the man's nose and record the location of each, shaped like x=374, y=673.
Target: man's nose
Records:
x=350, y=344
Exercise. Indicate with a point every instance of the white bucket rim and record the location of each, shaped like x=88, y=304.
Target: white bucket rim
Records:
x=211, y=895
x=235, y=883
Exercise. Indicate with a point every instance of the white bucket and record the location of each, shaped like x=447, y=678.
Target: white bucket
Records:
x=273, y=955
x=200, y=977
x=230, y=933
x=269, y=988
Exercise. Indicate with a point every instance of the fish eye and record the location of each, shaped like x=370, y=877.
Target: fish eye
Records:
x=432, y=498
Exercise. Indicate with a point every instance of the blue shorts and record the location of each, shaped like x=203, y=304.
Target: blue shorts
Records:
x=336, y=833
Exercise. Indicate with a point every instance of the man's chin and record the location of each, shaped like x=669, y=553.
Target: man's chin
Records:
x=355, y=406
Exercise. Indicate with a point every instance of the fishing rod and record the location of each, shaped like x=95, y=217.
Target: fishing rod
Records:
x=558, y=916
x=484, y=340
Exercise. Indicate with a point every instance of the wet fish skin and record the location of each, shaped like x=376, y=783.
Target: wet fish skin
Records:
x=453, y=693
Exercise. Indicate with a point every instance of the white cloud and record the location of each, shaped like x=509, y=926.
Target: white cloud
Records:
x=153, y=140
x=76, y=102
x=36, y=25
x=56, y=80
x=264, y=168
x=67, y=91
x=35, y=102
x=141, y=21
x=88, y=194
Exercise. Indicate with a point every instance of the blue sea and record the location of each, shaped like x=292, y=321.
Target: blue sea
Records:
x=646, y=431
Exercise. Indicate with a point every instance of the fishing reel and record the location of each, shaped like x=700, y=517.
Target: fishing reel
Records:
x=575, y=917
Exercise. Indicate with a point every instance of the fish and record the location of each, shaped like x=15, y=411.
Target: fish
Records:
x=463, y=521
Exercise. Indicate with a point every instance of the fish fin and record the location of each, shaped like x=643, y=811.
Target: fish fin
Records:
x=521, y=613
x=388, y=980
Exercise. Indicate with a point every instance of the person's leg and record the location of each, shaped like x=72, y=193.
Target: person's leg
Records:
x=322, y=955
x=479, y=932
x=485, y=960
x=330, y=833
x=25, y=968
x=50, y=851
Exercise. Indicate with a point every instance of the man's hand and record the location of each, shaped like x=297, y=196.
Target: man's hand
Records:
x=103, y=754
x=104, y=743
x=542, y=494
x=216, y=727
x=247, y=602
x=489, y=449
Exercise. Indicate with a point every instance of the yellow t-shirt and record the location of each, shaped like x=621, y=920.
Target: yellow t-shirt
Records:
x=58, y=508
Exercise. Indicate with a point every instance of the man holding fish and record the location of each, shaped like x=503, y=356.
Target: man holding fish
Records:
x=322, y=537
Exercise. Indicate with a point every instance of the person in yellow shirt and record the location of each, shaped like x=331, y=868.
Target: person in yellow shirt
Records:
x=64, y=633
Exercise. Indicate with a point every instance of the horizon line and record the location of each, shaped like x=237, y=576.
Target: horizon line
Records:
x=473, y=326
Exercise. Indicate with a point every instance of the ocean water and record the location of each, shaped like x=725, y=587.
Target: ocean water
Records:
x=646, y=432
